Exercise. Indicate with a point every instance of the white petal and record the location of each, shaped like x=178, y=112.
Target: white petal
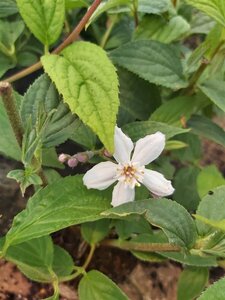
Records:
x=100, y=176
x=149, y=148
x=157, y=183
x=123, y=146
x=122, y=194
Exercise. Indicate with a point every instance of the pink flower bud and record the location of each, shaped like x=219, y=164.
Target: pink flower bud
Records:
x=63, y=158
x=107, y=153
x=72, y=162
x=82, y=157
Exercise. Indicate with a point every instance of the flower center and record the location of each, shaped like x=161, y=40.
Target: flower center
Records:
x=131, y=174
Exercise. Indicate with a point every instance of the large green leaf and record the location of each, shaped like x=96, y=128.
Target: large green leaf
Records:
x=137, y=130
x=94, y=232
x=83, y=135
x=153, y=6
x=89, y=85
x=214, y=292
x=208, y=179
x=215, y=90
x=7, y=8
x=168, y=215
x=9, y=33
x=212, y=207
x=97, y=286
x=138, y=98
x=159, y=29
x=185, y=185
x=151, y=60
x=59, y=205
x=191, y=282
x=5, y=64
x=44, y=18
x=205, y=127
x=213, y=8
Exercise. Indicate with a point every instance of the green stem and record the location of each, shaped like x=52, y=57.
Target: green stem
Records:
x=108, y=31
x=135, y=12
x=70, y=39
x=89, y=257
x=144, y=247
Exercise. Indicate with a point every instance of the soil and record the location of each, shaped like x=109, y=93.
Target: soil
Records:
x=139, y=280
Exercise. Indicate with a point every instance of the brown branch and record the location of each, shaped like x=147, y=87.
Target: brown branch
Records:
x=70, y=39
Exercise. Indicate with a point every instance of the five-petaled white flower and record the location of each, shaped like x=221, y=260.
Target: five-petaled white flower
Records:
x=130, y=172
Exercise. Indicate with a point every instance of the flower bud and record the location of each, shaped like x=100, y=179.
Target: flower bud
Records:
x=107, y=153
x=63, y=158
x=82, y=157
x=72, y=162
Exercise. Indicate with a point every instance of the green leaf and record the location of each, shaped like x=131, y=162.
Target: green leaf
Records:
x=153, y=61
x=50, y=158
x=159, y=29
x=168, y=215
x=191, y=282
x=175, y=145
x=8, y=143
x=153, y=6
x=138, y=98
x=94, y=232
x=213, y=8
x=201, y=23
x=214, y=292
x=5, y=64
x=9, y=33
x=208, y=179
x=191, y=260
x=62, y=264
x=88, y=82
x=59, y=205
x=137, y=130
x=95, y=286
x=214, y=89
x=71, y=4
x=83, y=135
x=203, y=126
x=7, y=8
x=178, y=110
x=34, y=258
x=185, y=185
x=212, y=207
x=44, y=18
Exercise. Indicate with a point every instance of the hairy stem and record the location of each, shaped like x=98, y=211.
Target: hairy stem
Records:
x=144, y=247
x=71, y=38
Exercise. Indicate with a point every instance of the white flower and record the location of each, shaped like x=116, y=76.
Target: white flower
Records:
x=130, y=172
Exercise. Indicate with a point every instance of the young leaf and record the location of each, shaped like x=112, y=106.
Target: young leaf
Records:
x=208, y=179
x=89, y=85
x=171, y=217
x=153, y=61
x=61, y=204
x=94, y=232
x=213, y=8
x=159, y=29
x=214, y=292
x=212, y=207
x=95, y=286
x=205, y=127
x=137, y=130
x=191, y=282
x=215, y=90
x=62, y=264
x=153, y=6
x=44, y=18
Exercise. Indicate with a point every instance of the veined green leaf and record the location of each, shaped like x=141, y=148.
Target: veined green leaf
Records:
x=7, y=8
x=159, y=29
x=95, y=286
x=44, y=18
x=71, y=4
x=205, y=127
x=211, y=210
x=214, y=292
x=151, y=60
x=213, y=8
x=89, y=85
x=153, y=6
x=137, y=130
x=191, y=282
x=61, y=204
x=168, y=215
